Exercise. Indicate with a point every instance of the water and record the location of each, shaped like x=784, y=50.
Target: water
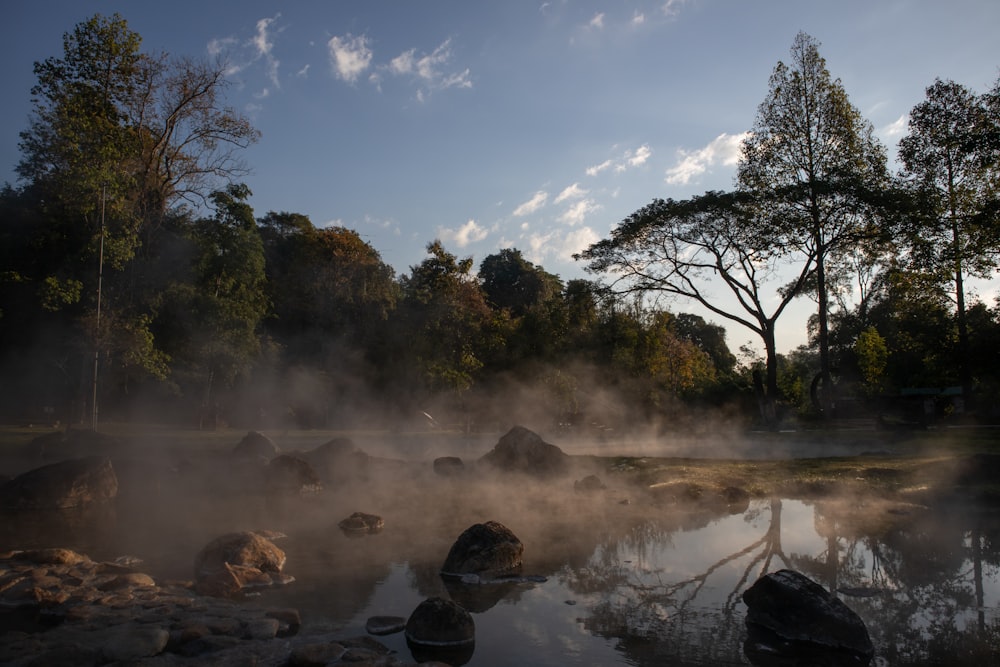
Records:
x=625, y=584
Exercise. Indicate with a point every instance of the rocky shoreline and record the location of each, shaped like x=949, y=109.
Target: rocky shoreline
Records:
x=59, y=607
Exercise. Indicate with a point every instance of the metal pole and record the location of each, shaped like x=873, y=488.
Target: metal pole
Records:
x=97, y=332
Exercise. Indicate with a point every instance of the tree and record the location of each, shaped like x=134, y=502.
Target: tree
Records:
x=948, y=162
x=118, y=141
x=213, y=318
x=446, y=318
x=510, y=281
x=686, y=248
x=821, y=168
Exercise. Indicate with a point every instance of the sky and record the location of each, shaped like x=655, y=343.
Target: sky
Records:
x=535, y=125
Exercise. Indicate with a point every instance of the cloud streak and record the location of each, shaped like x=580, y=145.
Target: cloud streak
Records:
x=724, y=150
x=536, y=202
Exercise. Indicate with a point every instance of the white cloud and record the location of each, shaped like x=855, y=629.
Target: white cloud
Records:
x=430, y=70
x=576, y=213
x=724, y=150
x=536, y=202
x=541, y=246
x=263, y=45
x=470, y=232
x=571, y=192
x=639, y=157
x=597, y=21
x=350, y=56
x=638, y=18
x=304, y=72
x=219, y=45
x=598, y=168
x=630, y=158
x=577, y=241
x=898, y=127
x=672, y=7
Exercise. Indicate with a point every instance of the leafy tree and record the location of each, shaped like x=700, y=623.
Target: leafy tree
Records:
x=872, y=354
x=817, y=168
x=445, y=320
x=510, y=281
x=213, y=319
x=327, y=286
x=947, y=161
x=687, y=248
x=116, y=141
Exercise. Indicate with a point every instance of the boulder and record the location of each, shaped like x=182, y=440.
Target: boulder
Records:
x=256, y=445
x=440, y=622
x=589, y=484
x=449, y=466
x=290, y=474
x=360, y=523
x=63, y=485
x=235, y=561
x=337, y=460
x=803, y=617
x=524, y=451
x=488, y=550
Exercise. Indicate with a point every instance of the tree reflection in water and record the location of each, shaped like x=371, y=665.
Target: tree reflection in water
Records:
x=926, y=583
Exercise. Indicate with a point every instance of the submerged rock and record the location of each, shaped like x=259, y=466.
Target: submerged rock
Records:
x=488, y=549
x=360, y=523
x=798, y=616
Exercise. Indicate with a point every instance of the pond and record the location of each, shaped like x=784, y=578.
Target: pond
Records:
x=620, y=580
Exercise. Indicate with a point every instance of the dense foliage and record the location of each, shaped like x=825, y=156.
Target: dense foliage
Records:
x=137, y=277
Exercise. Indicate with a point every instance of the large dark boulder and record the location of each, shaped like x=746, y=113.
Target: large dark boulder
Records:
x=488, y=550
x=793, y=615
x=63, y=485
x=524, y=451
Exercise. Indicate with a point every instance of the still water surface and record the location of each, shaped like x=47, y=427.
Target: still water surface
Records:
x=625, y=583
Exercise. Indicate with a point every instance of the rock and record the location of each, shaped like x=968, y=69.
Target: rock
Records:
x=589, y=484
x=60, y=609
x=130, y=643
x=440, y=622
x=385, y=625
x=64, y=485
x=236, y=561
x=337, y=461
x=524, y=451
x=360, y=523
x=256, y=445
x=290, y=474
x=487, y=549
x=792, y=607
x=449, y=466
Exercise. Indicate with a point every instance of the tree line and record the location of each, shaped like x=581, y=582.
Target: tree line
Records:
x=138, y=282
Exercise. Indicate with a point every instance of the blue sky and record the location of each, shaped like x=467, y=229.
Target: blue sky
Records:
x=526, y=124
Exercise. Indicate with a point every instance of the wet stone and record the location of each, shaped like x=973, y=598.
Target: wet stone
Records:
x=385, y=625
